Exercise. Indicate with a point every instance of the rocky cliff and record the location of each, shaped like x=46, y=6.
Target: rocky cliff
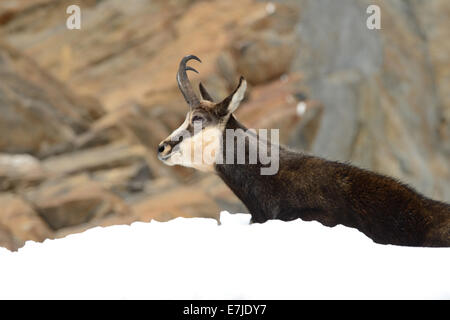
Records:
x=82, y=111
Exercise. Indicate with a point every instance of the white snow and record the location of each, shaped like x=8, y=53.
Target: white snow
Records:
x=198, y=259
x=301, y=108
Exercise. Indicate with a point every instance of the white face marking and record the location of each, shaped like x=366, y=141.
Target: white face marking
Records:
x=181, y=128
x=198, y=151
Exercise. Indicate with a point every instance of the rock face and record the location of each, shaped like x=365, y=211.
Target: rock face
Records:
x=82, y=111
x=264, y=45
x=19, y=222
x=20, y=170
x=385, y=92
x=73, y=201
x=39, y=115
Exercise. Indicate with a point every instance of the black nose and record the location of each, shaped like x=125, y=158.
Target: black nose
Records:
x=161, y=148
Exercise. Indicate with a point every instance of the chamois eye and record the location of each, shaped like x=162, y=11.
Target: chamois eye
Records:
x=198, y=118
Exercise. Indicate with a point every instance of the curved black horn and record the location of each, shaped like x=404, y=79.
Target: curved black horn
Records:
x=183, y=81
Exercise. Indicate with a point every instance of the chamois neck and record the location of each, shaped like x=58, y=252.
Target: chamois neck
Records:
x=246, y=179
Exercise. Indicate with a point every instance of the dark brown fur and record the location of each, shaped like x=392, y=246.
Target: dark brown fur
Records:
x=311, y=188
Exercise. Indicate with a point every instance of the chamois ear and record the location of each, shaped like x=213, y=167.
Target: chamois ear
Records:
x=231, y=103
x=205, y=95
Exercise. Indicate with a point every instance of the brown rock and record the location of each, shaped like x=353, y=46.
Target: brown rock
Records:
x=19, y=171
x=39, y=115
x=273, y=105
x=21, y=221
x=124, y=52
x=432, y=16
x=8, y=240
x=104, y=157
x=264, y=46
x=105, y=222
x=125, y=179
x=178, y=202
x=73, y=201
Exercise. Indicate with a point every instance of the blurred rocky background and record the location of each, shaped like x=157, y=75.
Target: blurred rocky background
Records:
x=82, y=111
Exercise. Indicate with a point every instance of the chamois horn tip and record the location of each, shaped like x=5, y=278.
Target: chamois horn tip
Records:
x=191, y=57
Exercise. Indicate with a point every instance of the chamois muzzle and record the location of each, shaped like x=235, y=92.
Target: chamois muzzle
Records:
x=164, y=151
x=167, y=148
x=183, y=81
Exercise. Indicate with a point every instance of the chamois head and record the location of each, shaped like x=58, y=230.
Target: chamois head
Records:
x=197, y=142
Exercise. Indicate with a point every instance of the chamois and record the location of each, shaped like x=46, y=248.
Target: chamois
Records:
x=305, y=186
